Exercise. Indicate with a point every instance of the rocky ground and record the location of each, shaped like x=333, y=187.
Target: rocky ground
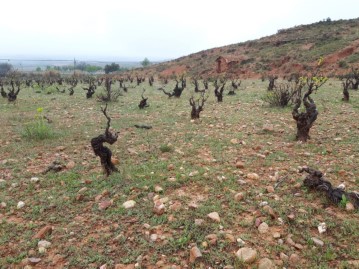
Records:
x=220, y=192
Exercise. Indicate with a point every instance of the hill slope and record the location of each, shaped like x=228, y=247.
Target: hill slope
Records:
x=290, y=50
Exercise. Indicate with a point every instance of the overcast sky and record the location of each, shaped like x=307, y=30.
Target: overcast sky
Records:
x=156, y=29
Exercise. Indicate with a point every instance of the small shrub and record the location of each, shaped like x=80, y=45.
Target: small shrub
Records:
x=343, y=64
x=344, y=201
x=165, y=148
x=39, y=129
x=280, y=96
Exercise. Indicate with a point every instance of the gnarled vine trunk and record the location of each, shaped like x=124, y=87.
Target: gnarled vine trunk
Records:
x=305, y=119
x=102, y=151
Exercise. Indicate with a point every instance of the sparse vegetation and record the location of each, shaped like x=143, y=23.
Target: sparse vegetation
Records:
x=213, y=185
x=39, y=128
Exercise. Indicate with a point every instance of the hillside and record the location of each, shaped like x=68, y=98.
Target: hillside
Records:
x=290, y=50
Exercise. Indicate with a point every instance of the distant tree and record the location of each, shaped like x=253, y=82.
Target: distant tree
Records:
x=112, y=68
x=145, y=62
x=38, y=69
x=92, y=68
x=4, y=69
x=81, y=66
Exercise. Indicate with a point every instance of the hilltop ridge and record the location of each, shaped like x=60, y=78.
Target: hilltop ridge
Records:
x=288, y=51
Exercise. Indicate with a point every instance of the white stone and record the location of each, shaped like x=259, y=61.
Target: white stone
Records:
x=129, y=204
x=44, y=243
x=322, y=227
x=214, y=216
x=247, y=255
x=20, y=204
x=34, y=179
x=318, y=242
x=153, y=237
x=263, y=228
x=42, y=250
x=158, y=189
x=240, y=242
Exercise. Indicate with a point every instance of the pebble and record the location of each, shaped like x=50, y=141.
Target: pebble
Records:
x=270, y=189
x=44, y=244
x=103, y=205
x=159, y=207
x=158, y=189
x=20, y=204
x=294, y=260
x=253, y=176
x=276, y=235
x=43, y=232
x=247, y=255
x=240, y=242
x=34, y=179
x=170, y=167
x=115, y=161
x=175, y=206
x=164, y=199
x=198, y=222
x=60, y=148
x=322, y=227
x=214, y=216
x=194, y=173
x=268, y=127
x=239, y=165
x=283, y=257
x=349, y=207
x=238, y=196
x=194, y=254
x=265, y=263
x=269, y=211
x=192, y=205
x=153, y=237
x=129, y=204
x=42, y=250
x=241, y=182
x=230, y=238
x=263, y=228
x=290, y=241
x=34, y=261
x=70, y=165
x=82, y=190
x=318, y=242
x=212, y=239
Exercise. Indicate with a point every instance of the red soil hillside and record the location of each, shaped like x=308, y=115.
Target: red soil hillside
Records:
x=289, y=51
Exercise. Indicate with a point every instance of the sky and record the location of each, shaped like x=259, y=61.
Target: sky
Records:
x=156, y=29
